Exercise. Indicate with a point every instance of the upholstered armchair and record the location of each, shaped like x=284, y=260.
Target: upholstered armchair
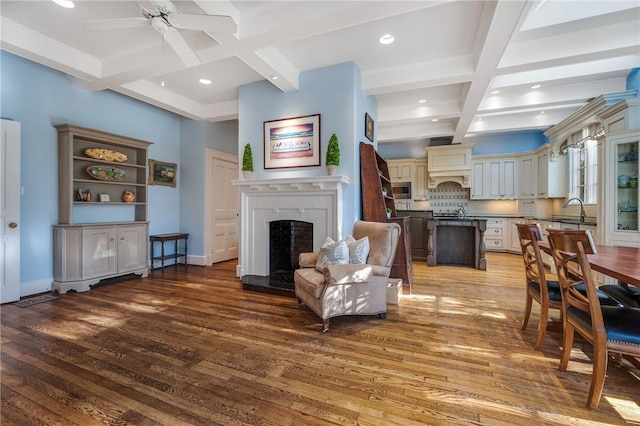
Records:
x=350, y=288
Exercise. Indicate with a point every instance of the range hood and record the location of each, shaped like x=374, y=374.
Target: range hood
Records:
x=449, y=163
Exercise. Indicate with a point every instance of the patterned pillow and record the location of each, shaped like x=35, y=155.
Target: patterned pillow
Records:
x=358, y=249
x=332, y=253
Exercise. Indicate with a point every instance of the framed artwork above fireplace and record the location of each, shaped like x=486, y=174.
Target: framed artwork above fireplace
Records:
x=292, y=142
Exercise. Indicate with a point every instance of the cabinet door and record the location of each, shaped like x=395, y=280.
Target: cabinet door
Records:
x=419, y=185
x=400, y=171
x=493, y=179
x=509, y=179
x=99, y=251
x=478, y=180
x=132, y=247
x=543, y=175
x=528, y=177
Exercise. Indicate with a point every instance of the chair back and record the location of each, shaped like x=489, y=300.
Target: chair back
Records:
x=383, y=240
x=570, y=249
x=530, y=234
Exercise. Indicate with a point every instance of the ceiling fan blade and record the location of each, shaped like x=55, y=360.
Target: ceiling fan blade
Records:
x=114, y=24
x=177, y=43
x=210, y=23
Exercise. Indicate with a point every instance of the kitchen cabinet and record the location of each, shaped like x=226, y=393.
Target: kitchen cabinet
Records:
x=494, y=179
x=527, y=177
x=410, y=170
x=619, y=193
x=551, y=179
x=86, y=254
x=494, y=235
x=400, y=170
x=512, y=237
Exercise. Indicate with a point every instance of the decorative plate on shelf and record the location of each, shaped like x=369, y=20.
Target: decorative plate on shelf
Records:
x=106, y=154
x=111, y=174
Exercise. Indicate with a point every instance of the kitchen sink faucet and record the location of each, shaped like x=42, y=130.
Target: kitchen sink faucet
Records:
x=582, y=215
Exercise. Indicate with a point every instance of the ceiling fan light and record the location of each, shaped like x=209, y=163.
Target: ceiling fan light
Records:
x=386, y=39
x=205, y=81
x=65, y=3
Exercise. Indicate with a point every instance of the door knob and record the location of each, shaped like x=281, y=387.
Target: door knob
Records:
x=13, y=225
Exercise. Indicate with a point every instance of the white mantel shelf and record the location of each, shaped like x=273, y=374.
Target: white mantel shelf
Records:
x=283, y=184
x=317, y=200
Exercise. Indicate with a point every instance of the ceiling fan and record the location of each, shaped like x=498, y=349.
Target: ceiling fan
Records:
x=164, y=17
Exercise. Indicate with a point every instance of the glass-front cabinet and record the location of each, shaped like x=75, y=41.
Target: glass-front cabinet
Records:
x=627, y=185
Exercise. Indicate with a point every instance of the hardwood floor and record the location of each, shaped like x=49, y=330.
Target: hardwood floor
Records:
x=194, y=348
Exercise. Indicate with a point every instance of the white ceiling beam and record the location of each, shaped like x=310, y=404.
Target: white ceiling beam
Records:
x=504, y=20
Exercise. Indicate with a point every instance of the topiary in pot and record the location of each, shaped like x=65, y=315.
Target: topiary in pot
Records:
x=247, y=161
x=333, y=155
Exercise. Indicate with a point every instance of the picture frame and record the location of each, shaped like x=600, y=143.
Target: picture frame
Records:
x=105, y=198
x=292, y=142
x=161, y=173
x=368, y=126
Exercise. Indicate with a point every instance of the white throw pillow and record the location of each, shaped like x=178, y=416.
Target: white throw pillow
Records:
x=332, y=253
x=358, y=249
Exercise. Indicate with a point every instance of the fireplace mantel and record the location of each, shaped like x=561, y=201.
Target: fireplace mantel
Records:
x=317, y=200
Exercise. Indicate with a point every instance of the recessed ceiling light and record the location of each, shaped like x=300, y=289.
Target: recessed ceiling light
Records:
x=204, y=81
x=495, y=92
x=421, y=101
x=535, y=86
x=274, y=77
x=65, y=3
x=479, y=118
x=386, y=39
x=541, y=112
x=434, y=119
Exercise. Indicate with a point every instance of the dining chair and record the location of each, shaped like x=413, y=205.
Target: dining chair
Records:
x=608, y=328
x=538, y=287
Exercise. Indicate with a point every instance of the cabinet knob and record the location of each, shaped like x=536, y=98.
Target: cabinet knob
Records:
x=112, y=239
x=121, y=238
x=13, y=225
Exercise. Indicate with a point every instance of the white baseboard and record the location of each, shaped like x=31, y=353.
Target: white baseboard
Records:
x=35, y=287
x=197, y=260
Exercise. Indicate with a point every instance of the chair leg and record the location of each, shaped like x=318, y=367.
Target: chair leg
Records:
x=325, y=325
x=542, y=326
x=527, y=311
x=567, y=344
x=383, y=315
x=600, y=359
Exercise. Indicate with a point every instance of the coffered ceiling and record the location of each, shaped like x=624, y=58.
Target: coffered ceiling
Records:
x=451, y=54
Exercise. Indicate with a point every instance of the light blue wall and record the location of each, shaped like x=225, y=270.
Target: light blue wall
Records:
x=196, y=137
x=40, y=97
x=333, y=92
x=503, y=143
x=633, y=80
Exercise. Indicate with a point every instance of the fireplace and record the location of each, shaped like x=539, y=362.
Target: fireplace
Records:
x=313, y=200
x=287, y=239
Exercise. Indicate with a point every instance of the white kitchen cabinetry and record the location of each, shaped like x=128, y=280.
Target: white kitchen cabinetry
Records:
x=527, y=177
x=85, y=255
x=494, y=179
x=414, y=171
x=513, y=236
x=400, y=170
x=619, y=191
x=419, y=181
x=494, y=235
x=551, y=175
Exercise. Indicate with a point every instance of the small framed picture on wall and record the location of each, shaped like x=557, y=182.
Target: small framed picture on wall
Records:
x=368, y=126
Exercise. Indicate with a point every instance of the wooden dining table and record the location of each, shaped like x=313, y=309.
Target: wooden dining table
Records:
x=621, y=263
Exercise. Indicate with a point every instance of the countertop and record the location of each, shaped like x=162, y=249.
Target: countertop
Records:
x=426, y=214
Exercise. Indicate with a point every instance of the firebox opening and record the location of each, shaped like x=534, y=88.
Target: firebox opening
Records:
x=287, y=239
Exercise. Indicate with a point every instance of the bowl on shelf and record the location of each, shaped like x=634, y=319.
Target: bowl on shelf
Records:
x=623, y=180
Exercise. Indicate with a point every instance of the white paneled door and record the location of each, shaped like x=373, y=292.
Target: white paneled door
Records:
x=223, y=207
x=10, y=211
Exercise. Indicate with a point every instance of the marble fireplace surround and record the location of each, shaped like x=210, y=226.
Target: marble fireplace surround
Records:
x=317, y=200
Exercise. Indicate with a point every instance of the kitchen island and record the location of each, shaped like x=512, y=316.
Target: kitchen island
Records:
x=446, y=240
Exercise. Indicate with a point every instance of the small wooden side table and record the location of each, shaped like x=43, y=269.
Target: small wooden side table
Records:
x=163, y=238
